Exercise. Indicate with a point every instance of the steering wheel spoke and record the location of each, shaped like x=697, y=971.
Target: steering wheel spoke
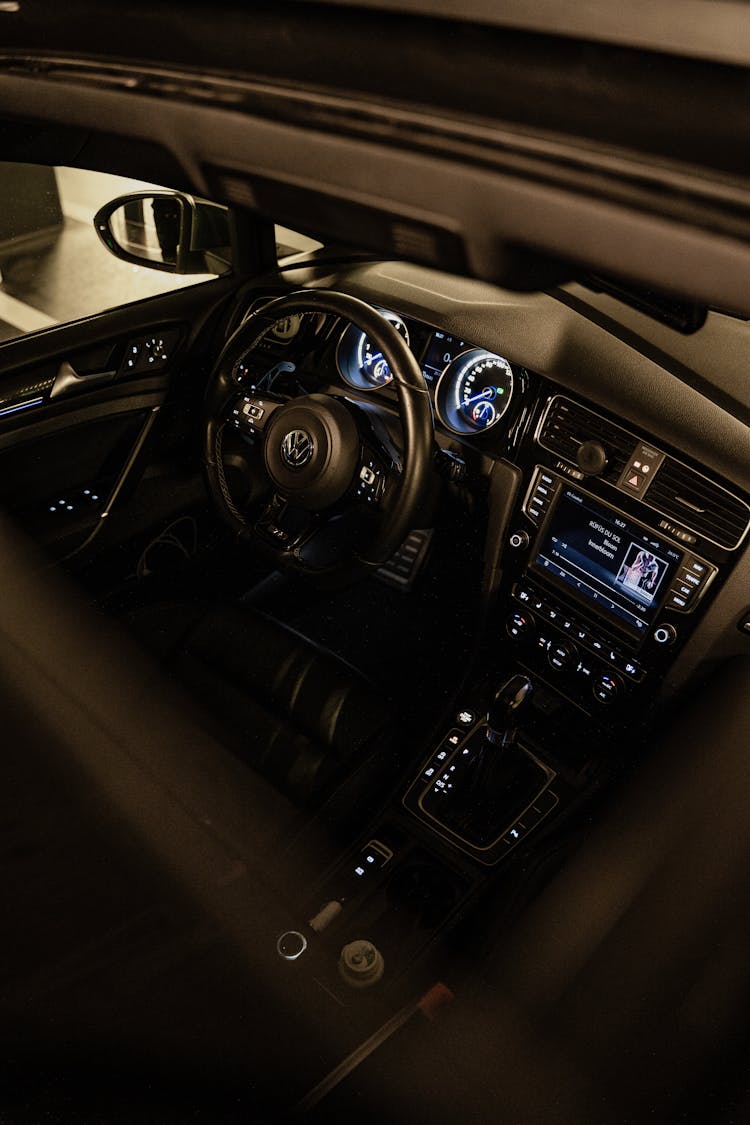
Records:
x=285, y=526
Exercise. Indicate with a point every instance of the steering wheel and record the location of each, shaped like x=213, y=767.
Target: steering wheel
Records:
x=338, y=498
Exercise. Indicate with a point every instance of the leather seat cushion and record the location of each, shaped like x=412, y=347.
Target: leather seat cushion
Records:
x=294, y=711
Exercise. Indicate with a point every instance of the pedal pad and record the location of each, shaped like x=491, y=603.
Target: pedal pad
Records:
x=402, y=569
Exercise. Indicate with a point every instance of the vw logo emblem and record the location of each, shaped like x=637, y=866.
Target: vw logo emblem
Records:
x=297, y=448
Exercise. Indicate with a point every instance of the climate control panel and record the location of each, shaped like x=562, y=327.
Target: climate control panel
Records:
x=582, y=662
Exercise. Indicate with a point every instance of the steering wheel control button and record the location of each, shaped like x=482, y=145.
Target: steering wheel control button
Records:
x=665, y=635
x=252, y=414
x=606, y=688
x=361, y=964
x=370, y=484
x=291, y=945
x=466, y=718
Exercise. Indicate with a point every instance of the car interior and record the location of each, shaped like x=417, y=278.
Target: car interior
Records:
x=375, y=647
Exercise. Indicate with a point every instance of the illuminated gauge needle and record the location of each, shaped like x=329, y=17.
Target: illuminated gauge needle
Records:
x=485, y=395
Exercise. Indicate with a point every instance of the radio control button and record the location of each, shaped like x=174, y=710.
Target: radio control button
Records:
x=606, y=688
x=665, y=635
x=519, y=540
x=691, y=579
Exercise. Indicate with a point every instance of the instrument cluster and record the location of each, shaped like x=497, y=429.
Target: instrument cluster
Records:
x=472, y=388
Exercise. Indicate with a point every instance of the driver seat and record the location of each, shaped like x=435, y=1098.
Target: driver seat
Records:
x=298, y=714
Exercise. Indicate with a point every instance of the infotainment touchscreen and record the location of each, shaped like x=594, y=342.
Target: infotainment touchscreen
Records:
x=620, y=566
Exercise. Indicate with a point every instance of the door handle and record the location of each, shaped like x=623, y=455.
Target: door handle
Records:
x=68, y=381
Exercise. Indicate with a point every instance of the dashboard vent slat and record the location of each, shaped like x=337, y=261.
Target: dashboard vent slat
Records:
x=691, y=499
x=567, y=425
x=684, y=495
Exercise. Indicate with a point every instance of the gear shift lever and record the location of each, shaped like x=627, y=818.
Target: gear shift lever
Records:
x=501, y=728
x=494, y=779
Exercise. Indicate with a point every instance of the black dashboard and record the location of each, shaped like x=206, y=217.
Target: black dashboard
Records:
x=619, y=540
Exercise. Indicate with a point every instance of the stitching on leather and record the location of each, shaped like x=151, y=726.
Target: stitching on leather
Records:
x=218, y=447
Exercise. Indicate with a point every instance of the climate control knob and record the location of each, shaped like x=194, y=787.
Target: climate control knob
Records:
x=561, y=654
x=606, y=688
x=518, y=626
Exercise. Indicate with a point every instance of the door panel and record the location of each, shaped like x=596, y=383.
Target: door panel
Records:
x=79, y=403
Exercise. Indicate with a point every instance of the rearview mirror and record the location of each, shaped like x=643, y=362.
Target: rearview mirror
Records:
x=166, y=230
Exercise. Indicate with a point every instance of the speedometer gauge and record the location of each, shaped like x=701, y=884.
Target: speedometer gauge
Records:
x=361, y=364
x=474, y=391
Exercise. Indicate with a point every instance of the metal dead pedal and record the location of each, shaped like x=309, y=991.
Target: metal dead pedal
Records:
x=402, y=569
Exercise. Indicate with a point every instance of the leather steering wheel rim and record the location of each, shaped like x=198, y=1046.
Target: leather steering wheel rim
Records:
x=415, y=412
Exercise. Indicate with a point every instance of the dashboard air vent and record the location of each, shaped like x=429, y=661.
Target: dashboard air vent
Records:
x=691, y=499
x=567, y=425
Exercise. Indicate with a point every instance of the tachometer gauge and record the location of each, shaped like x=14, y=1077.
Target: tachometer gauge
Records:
x=360, y=363
x=474, y=391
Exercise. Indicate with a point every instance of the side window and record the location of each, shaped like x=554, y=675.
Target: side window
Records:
x=54, y=268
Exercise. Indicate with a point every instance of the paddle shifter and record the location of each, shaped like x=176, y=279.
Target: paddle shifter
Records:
x=492, y=779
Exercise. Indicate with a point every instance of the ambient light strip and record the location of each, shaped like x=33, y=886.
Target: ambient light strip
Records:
x=19, y=406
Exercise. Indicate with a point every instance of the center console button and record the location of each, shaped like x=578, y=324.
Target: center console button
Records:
x=518, y=625
x=606, y=688
x=561, y=655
